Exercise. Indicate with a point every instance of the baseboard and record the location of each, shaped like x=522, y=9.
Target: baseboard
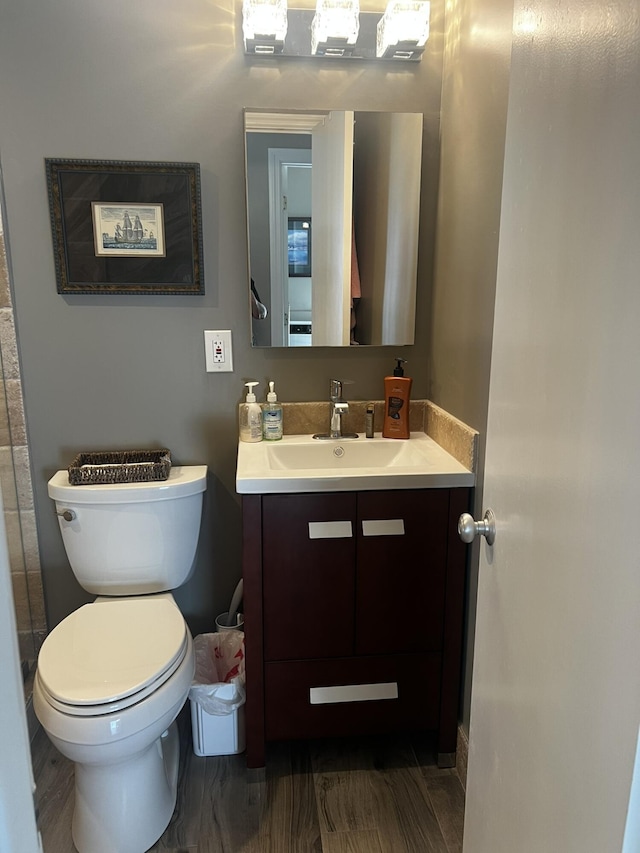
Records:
x=462, y=754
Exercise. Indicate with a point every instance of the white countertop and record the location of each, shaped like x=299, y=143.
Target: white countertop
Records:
x=299, y=463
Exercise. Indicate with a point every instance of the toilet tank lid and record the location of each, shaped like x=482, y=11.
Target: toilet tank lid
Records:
x=184, y=480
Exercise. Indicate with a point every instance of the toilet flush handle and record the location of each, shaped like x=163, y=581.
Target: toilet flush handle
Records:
x=67, y=514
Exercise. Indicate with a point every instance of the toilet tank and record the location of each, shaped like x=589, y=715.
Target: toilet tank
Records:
x=131, y=538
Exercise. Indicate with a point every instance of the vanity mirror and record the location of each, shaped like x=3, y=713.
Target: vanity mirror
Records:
x=333, y=210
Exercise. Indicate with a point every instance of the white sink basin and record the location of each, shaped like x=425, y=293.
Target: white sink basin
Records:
x=299, y=463
x=371, y=453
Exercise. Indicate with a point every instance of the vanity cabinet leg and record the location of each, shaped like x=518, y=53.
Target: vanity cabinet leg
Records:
x=446, y=760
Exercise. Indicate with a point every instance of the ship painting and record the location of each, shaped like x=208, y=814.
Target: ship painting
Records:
x=121, y=229
x=129, y=233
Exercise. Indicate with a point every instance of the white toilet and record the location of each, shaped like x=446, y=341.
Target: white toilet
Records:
x=113, y=676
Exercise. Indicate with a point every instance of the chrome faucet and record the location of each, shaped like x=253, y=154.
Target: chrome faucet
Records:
x=339, y=407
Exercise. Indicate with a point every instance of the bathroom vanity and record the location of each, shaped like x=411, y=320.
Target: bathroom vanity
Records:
x=353, y=598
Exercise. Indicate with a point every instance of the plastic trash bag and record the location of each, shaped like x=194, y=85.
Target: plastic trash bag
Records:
x=219, y=683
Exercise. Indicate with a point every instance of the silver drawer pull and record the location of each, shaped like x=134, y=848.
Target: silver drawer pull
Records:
x=330, y=530
x=353, y=693
x=383, y=527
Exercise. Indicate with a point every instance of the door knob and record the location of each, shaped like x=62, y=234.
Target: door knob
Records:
x=468, y=529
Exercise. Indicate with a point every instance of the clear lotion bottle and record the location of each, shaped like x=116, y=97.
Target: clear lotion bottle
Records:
x=250, y=416
x=272, y=416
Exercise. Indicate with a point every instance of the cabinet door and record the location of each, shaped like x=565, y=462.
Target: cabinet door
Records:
x=308, y=575
x=401, y=570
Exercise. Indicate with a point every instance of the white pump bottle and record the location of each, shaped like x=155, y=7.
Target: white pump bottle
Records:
x=250, y=416
x=272, y=416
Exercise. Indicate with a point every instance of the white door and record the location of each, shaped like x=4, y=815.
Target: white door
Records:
x=332, y=151
x=556, y=685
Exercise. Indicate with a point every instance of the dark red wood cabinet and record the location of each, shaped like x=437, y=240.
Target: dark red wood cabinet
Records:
x=353, y=606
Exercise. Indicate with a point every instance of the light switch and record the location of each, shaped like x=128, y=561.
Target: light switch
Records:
x=218, y=352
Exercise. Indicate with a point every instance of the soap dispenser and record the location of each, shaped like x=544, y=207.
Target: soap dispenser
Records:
x=250, y=416
x=397, y=393
x=272, y=416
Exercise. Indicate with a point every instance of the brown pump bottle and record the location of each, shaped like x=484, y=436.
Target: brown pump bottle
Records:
x=397, y=394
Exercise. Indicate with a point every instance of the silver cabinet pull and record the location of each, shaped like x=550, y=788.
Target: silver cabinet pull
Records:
x=383, y=527
x=468, y=529
x=330, y=530
x=67, y=514
x=353, y=693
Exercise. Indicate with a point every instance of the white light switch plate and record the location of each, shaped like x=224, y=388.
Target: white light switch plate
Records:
x=218, y=353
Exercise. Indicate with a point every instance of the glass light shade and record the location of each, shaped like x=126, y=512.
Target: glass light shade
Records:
x=403, y=30
x=264, y=25
x=335, y=27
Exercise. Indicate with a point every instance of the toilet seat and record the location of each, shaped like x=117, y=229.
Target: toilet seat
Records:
x=111, y=654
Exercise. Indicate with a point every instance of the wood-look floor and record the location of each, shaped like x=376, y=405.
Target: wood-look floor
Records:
x=369, y=795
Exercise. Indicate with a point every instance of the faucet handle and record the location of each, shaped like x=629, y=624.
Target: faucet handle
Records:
x=336, y=389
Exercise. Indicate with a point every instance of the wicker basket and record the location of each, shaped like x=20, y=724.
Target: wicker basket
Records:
x=119, y=466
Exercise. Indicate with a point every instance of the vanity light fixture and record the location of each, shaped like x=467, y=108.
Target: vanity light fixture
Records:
x=264, y=26
x=337, y=29
x=403, y=30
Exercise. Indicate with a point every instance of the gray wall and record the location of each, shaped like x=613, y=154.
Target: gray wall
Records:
x=166, y=81
x=474, y=115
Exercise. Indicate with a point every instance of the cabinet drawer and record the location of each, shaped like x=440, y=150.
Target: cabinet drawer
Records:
x=299, y=702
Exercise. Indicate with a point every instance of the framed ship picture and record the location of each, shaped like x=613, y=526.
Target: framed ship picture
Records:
x=123, y=229
x=125, y=226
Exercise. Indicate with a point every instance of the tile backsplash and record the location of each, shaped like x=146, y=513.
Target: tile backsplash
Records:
x=451, y=434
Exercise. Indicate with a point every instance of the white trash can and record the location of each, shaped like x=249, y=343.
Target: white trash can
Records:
x=217, y=694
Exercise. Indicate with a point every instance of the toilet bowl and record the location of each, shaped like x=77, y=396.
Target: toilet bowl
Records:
x=113, y=676
x=111, y=679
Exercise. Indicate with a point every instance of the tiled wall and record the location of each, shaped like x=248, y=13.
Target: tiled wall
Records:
x=15, y=480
